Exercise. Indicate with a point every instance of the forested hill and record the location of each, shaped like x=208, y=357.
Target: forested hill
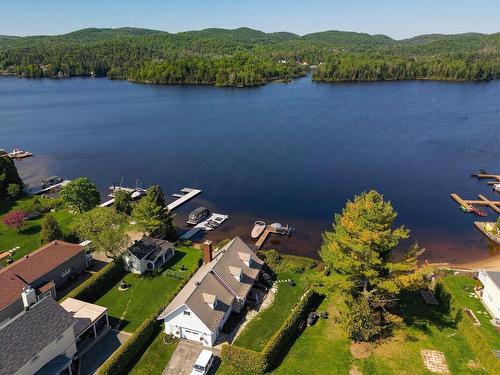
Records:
x=244, y=57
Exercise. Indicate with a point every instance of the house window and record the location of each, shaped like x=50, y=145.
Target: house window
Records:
x=66, y=273
x=188, y=313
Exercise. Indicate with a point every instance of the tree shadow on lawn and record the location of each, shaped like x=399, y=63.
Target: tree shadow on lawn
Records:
x=117, y=323
x=415, y=313
x=31, y=230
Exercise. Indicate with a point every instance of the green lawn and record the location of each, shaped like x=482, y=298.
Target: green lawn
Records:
x=28, y=239
x=148, y=292
x=324, y=348
x=264, y=325
x=155, y=358
x=461, y=287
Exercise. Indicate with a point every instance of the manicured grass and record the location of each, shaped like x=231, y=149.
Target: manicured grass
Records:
x=461, y=287
x=325, y=349
x=148, y=292
x=265, y=324
x=155, y=358
x=28, y=239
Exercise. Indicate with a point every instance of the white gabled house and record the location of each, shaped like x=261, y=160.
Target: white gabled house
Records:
x=220, y=286
x=490, y=294
x=147, y=254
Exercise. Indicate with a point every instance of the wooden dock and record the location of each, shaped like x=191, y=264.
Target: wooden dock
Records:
x=188, y=195
x=495, y=178
x=482, y=201
x=269, y=229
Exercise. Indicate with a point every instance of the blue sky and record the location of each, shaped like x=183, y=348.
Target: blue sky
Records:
x=398, y=19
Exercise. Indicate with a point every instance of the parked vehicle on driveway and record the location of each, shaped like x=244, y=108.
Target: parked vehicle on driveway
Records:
x=203, y=363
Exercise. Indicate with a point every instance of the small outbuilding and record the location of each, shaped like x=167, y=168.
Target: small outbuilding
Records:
x=490, y=294
x=148, y=254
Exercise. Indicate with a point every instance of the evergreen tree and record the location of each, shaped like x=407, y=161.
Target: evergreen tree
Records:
x=359, y=255
x=123, y=202
x=50, y=230
x=152, y=216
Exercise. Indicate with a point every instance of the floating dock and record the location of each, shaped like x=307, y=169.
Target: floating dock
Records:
x=483, y=201
x=134, y=194
x=486, y=228
x=187, y=195
x=219, y=218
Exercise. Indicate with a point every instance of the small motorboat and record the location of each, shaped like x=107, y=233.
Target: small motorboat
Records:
x=258, y=229
x=280, y=229
x=478, y=212
x=496, y=188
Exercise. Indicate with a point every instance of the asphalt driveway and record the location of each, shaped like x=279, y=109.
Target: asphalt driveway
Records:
x=184, y=357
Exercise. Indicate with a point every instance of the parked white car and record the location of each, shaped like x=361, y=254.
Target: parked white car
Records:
x=203, y=363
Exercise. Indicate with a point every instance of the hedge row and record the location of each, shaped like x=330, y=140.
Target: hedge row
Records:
x=122, y=360
x=93, y=288
x=260, y=362
x=468, y=330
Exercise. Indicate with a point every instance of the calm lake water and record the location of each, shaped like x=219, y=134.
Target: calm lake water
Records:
x=291, y=153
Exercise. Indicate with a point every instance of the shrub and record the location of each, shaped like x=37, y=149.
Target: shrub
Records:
x=50, y=230
x=96, y=286
x=13, y=190
x=244, y=359
x=448, y=303
x=276, y=347
x=287, y=263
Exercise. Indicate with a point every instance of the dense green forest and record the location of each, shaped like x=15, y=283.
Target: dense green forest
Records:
x=246, y=57
x=8, y=176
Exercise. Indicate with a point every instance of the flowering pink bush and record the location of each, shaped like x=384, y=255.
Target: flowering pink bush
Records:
x=15, y=219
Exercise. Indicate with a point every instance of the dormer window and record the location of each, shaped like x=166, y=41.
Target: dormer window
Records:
x=236, y=272
x=210, y=300
x=246, y=258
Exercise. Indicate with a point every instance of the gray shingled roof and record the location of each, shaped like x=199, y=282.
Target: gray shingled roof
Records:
x=216, y=278
x=26, y=335
x=495, y=277
x=148, y=247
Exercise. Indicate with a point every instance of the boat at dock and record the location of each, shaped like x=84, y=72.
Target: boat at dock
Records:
x=258, y=229
x=19, y=154
x=50, y=181
x=478, y=211
x=496, y=188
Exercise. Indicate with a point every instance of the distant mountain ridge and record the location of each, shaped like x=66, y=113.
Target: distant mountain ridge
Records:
x=222, y=55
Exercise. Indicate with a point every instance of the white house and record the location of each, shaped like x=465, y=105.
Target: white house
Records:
x=147, y=254
x=39, y=340
x=220, y=286
x=490, y=294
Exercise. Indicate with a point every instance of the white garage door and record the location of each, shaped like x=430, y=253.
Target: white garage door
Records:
x=191, y=334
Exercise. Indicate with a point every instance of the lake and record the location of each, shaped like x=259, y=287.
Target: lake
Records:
x=290, y=153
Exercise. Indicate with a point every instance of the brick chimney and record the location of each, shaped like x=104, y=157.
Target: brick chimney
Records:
x=207, y=251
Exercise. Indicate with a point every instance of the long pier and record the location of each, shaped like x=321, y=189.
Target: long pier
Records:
x=52, y=188
x=181, y=199
x=483, y=201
